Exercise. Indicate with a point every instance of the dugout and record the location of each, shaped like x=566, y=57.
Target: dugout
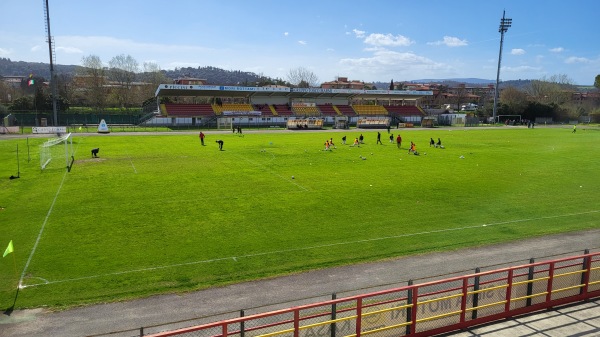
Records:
x=428, y=122
x=305, y=124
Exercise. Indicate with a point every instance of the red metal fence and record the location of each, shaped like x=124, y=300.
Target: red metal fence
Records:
x=424, y=309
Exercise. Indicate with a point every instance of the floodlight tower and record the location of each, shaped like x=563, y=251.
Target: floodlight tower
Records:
x=50, y=41
x=504, y=24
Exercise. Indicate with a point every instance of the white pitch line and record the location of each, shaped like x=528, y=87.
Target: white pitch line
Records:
x=42, y=229
x=235, y=258
x=131, y=161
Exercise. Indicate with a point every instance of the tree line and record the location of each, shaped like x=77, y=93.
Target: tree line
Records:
x=554, y=97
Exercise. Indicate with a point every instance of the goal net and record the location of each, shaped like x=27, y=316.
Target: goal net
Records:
x=56, y=151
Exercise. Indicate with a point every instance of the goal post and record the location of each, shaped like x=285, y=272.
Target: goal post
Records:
x=56, y=150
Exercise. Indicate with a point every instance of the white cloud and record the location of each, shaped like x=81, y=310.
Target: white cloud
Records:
x=521, y=69
x=359, y=33
x=302, y=42
x=178, y=64
x=450, y=41
x=286, y=34
x=557, y=50
x=384, y=62
x=70, y=50
x=574, y=59
x=35, y=48
x=5, y=52
x=517, y=51
x=388, y=40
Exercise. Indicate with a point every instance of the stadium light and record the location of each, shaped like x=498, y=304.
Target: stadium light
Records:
x=52, y=60
x=505, y=23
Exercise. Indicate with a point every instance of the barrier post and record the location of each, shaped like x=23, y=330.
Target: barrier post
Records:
x=530, y=284
x=585, y=276
x=463, y=300
x=333, y=314
x=509, y=282
x=413, y=316
x=296, y=323
x=224, y=329
x=358, y=316
x=141, y=331
x=409, y=309
x=242, y=324
x=550, y=281
x=476, y=294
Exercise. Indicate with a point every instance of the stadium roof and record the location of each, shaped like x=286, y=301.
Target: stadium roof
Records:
x=249, y=92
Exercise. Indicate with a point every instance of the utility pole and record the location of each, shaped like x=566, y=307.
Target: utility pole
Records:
x=504, y=24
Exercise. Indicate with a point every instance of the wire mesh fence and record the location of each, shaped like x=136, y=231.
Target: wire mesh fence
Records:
x=418, y=309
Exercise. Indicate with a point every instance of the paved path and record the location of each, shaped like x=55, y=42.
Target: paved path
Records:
x=281, y=292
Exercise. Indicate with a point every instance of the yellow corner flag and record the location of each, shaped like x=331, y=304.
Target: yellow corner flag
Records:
x=9, y=249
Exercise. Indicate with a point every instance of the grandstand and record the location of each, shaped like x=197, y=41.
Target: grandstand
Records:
x=267, y=106
x=187, y=110
x=370, y=110
x=328, y=110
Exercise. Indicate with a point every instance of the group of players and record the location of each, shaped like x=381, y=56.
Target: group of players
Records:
x=360, y=140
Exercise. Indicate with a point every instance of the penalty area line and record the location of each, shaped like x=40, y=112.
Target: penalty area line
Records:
x=236, y=258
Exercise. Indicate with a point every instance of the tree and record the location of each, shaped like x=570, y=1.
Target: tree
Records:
x=556, y=90
x=303, y=78
x=93, y=78
x=461, y=95
x=123, y=69
x=597, y=82
x=514, y=99
x=21, y=104
x=65, y=86
x=152, y=76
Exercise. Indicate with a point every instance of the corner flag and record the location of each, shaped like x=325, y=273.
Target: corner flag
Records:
x=9, y=249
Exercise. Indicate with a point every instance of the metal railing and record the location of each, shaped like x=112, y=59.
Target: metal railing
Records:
x=423, y=309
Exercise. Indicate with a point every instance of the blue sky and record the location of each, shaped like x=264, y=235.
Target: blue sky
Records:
x=361, y=40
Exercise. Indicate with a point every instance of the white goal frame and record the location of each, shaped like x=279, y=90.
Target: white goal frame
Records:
x=46, y=151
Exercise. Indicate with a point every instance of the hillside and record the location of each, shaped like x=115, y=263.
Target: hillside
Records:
x=212, y=74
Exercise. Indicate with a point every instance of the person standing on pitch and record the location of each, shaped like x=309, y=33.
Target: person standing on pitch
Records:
x=201, y=135
x=379, y=138
x=344, y=140
x=399, y=141
x=361, y=138
x=220, y=142
x=391, y=138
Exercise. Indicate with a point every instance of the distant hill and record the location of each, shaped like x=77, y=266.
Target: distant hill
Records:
x=212, y=74
x=21, y=68
x=453, y=82
x=477, y=81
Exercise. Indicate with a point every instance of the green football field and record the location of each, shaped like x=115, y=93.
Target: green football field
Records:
x=161, y=213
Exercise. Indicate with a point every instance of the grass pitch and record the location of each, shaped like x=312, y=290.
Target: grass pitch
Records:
x=161, y=213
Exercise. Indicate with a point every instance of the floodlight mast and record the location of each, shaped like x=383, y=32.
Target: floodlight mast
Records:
x=504, y=24
x=52, y=58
